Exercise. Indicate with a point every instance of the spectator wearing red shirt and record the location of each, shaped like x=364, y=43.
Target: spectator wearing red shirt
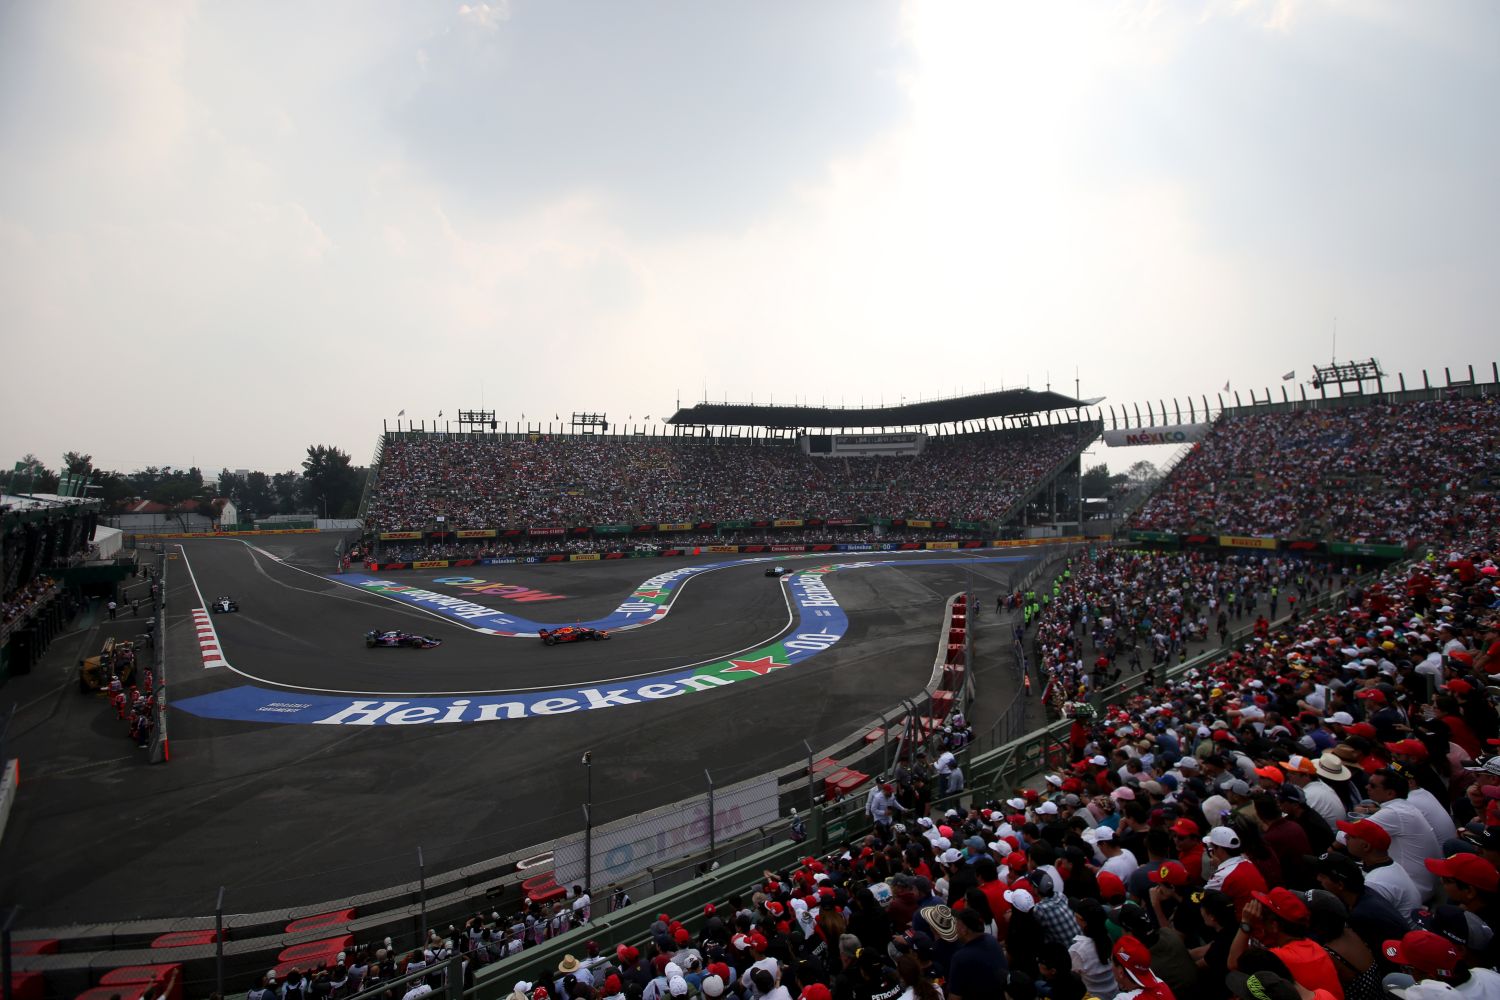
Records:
x=1278, y=921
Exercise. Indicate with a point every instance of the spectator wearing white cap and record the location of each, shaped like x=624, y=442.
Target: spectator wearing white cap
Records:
x=1117, y=859
x=1233, y=872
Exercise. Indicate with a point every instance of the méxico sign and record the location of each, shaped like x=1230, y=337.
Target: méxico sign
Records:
x=1175, y=434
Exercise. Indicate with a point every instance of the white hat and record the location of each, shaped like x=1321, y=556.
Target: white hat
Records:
x=1099, y=760
x=1340, y=719
x=924, y=822
x=1222, y=836
x=1002, y=848
x=677, y=985
x=1054, y=780
x=1047, y=809
x=712, y=986
x=522, y=986
x=1020, y=899
x=672, y=969
x=1188, y=763
x=949, y=857
x=1103, y=834
x=942, y=843
x=1017, y=803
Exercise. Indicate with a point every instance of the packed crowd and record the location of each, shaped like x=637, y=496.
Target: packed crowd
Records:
x=501, y=548
x=1112, y=612
x=1389, y=472
x=20, y=603
x=576, y=480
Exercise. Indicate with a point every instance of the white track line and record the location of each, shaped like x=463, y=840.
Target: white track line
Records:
x=786, y=597
x=203, y=623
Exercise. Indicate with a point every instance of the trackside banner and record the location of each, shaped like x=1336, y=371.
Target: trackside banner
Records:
x=632, y=845
x=1174, y=434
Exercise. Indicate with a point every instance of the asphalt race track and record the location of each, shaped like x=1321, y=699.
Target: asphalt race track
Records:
x=311, y=767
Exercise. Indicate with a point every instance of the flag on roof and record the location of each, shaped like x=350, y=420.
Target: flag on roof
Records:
x=1289, y=376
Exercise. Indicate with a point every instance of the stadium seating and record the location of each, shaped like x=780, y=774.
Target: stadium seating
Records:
x=1391, y=472
x=487, y=482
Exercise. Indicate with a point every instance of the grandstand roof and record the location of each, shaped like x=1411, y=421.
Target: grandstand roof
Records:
x=1005, y=403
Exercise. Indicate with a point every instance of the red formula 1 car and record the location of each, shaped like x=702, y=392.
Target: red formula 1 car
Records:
x=389, y=637
x=571, y=633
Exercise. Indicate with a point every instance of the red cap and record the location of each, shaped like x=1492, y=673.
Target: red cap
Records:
x=1135, y=958
x=758, y=942
x=1111, y=886
x=612, y=984
x=1285, y=903
x=1373, y=694
x=1469, y=869
x=1170, y=872
x=720, y=969
x=1408, y=748
x=1430, y=954
x=1272, y=773
x=627, y=954
x=1369, y=831
x=708, y=909
x=1184, y=828
x=815, y=991
x=682, y=935
x=1220, y=735
x=1361, y=729
x=1459, y=686
x=1462, y=656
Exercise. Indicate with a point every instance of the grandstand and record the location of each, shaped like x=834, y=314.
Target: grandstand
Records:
x=1392, y=472
x=978, y=467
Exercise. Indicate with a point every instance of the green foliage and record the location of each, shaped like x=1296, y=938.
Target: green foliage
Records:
x=1096, y=481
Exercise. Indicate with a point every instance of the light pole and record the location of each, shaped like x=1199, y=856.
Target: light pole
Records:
x=588, y=822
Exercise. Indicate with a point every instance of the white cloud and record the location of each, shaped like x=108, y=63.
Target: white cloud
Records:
x=485, y=15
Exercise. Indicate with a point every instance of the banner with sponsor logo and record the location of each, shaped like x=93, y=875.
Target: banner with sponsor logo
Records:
x=789, y=548
x=675, y=526
x=1247, y=542
x=611, y=529
x=723, y=548
x=1153, y=536
x=1173, y=434
x=399, y=536
x=941, y=545
x=475, y=533
x=430, y=564
x=536, y=532
x=584, y=557
x=838, y=522
x=918, y=523
x=787, y=522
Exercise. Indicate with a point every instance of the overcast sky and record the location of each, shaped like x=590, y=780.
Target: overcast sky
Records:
x=230, y=230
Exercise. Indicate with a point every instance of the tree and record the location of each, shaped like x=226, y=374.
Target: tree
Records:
x=31, y=476
x=1142, y=473
x=330, y=486
x=78, y=463
x=284, y=487
x=1096, y=481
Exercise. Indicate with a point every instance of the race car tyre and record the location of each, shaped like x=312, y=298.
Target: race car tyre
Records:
x=548, y=641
